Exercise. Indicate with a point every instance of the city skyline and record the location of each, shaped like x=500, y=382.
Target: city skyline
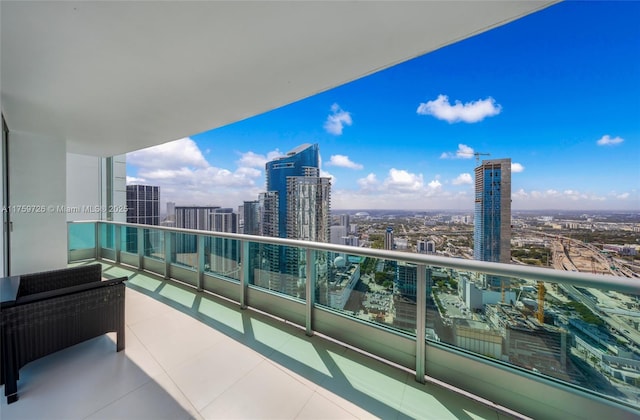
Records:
x=557, y=92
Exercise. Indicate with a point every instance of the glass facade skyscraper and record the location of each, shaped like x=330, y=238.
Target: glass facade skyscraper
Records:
x=143, y=207
x=492, y=215
x=296, y=205
x=304, y=160
x=251, y=217
x=143, y=204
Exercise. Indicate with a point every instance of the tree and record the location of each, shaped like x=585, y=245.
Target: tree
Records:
x=377, y=241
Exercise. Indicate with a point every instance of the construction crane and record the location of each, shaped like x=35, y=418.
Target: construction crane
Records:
x=478, y=154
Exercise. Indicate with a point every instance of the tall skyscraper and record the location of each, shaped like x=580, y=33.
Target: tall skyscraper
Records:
x=170, y=218
x=344, y=221
x=308, y=205
x=492, y=215
x=224, y=220
x=143, y=204
x=251, y=217
x=269, y=213
x=143, y=207
x=295, y=206
x=192, y=217
x=195, y=217
x=388, y=238
x=337, y=234
x=304, y=160
x=171, y=211
x=222, y=254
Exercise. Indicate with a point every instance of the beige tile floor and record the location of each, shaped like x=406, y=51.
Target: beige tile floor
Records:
x=193, y=355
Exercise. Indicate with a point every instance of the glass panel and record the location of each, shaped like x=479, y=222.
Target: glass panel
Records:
x=375, y=290
x=82, y=236
x=585, y=337
x=222, y=257
x=184, y=250
x=154, y=244
x=278, y=268
x=129, y=238
x=107, y=236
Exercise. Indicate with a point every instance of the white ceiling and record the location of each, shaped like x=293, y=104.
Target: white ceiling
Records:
x=112, y=77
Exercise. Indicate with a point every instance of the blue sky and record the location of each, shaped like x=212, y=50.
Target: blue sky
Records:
x=558, y=92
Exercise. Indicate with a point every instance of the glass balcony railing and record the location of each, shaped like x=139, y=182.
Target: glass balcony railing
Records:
x=508, y=333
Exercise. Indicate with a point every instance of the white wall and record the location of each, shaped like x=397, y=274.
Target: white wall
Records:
x=84, y=182
x=37, y=178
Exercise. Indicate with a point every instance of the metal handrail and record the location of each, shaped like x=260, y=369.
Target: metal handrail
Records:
x=600, y=281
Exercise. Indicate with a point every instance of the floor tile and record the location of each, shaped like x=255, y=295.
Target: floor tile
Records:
x=73, y=382
x=213, y=371
x=265, y=392
x=365, y=382
x=320, y=408
x=150, y=401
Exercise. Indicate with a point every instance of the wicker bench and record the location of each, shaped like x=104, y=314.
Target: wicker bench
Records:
x=54, y=310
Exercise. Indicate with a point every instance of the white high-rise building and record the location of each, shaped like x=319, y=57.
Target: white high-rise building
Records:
x=388, y=238
x=344, y=221
x=308, y=208
x=337, y=234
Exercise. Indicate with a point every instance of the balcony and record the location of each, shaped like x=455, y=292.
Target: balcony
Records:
x=193, y=355
x=212, y=332
x=197, y=301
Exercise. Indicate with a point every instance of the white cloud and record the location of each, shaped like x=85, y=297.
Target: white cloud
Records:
x=516, y=167
x=374, y=195
x=606, y=140
x=184, y=176
x=520, y=194
x=434, y=186
x=248, y=172
x=463, y=152
x=368, y=183
x=172, y=155
x=469, y=112
x=403, y=190
x=573, y=195
x=255, y=160
x=344, y=162
x=337, y=120
x=131, y=180
x=402, y=180
x=567, y=199
x=463, y=179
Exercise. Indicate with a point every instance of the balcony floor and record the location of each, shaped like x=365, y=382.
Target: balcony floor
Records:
x=193, y=355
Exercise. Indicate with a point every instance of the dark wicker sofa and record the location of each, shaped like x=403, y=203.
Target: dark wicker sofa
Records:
x=55, y=310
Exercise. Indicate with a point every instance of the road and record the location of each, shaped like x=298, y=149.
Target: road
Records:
x=561, y=262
